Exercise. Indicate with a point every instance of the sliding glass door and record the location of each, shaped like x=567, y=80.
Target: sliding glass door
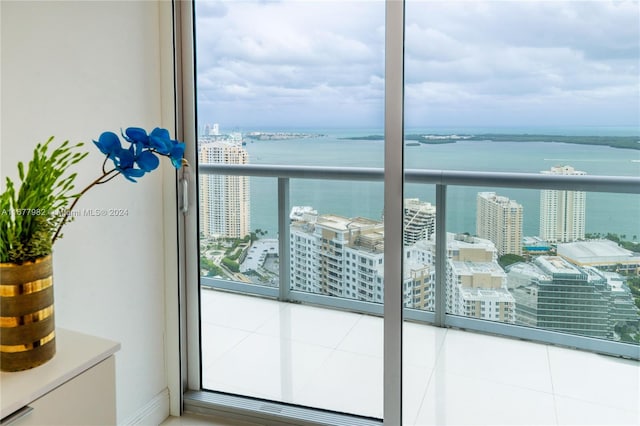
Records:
x=289, y=86
x=371, y=174
x=495, y=90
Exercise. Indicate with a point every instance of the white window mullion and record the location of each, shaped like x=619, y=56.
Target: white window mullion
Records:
x=393, y=209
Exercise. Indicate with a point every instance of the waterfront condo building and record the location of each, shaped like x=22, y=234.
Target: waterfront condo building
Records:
x=419, y=220
x=224, y=200
x=562, y=213
x=499, y=220
x=344, y=257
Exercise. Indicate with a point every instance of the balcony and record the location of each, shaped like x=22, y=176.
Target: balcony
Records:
x=331, y=359
x=321, y=348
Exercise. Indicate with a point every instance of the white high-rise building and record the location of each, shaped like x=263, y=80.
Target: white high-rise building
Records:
x=476, y=284
x=499, y=220
x=562, y=213
x=325, y=256
x=344, y=257
x=419, y=220
x=224, y=200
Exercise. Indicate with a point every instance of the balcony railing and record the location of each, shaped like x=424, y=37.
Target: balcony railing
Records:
x=442, y=179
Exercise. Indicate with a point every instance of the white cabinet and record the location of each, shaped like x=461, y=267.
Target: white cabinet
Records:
x=76, y=387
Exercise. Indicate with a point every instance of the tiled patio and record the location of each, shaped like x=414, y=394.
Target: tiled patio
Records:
x=333, y=360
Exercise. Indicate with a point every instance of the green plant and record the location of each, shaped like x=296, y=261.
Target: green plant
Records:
x=31, y=220
x=30, y=216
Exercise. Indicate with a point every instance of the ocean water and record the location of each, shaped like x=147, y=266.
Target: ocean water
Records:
x=616, y=213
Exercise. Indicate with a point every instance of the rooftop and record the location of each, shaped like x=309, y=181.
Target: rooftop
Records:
x=597, y=251
x=556, y=265
x=471, y=268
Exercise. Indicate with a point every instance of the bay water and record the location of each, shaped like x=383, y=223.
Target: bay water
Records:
x=615, y=213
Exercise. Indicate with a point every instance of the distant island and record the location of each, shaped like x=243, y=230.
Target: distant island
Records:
x=278, y=136
x=626, y=142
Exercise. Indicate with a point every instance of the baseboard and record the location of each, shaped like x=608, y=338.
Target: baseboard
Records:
x=153, y=412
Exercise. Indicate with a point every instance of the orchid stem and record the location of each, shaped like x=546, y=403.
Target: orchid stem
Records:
x=98, y=181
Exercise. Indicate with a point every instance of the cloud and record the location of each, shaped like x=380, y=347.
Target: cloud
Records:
x=210, y=9
x=321, y=63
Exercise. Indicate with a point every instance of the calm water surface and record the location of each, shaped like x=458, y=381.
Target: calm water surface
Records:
x=617, y=213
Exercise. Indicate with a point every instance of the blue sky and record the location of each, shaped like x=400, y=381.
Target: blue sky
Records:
x=320, y=64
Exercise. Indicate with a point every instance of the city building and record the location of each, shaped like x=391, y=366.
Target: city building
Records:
x=623, y=307
x=344, y=257
x=224, y=200
x=419, y=220
x=562, y=213
x=603, y=254
x=535, y=245
x=552, y=293
x=499, y=220
x=476, y=284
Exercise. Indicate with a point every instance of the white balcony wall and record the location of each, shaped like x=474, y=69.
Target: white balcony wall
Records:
x=74, y=69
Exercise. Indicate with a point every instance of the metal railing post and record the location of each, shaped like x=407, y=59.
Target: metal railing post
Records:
x=440, y=305
x=284, y=235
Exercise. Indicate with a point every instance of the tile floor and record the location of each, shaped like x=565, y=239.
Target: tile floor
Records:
x=333, y=360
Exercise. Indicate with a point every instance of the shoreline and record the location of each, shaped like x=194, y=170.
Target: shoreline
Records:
x=623, y=142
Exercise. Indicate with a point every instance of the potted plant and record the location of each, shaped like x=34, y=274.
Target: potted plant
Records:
x=31, y=220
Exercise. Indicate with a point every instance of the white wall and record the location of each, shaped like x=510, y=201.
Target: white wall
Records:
x=75, y=69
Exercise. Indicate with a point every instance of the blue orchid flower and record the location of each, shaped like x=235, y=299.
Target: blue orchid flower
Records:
x=136, y=135
x=130, y=173
x=142, y=155
x=108, y=143
x=176, y=154
x=160, y=140
x=147, y=161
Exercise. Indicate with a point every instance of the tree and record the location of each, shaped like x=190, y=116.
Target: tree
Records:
x=231, y=265
x=211, y=268
x=509, y=259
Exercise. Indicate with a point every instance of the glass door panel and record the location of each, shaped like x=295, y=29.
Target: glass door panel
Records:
x=295, y=88
x=507, y=88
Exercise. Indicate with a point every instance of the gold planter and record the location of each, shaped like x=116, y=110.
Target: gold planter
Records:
x=27, y=330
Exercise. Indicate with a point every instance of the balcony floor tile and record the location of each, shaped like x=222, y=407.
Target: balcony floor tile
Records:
x=332, y=360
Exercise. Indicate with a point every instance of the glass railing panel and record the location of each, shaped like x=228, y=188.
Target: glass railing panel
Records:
x=556, y=260
x=238, y=238
x=419, y=241
x=337, y=239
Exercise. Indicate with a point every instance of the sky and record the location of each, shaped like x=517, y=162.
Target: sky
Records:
x=320, y=64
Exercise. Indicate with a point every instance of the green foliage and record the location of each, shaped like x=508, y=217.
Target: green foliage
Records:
x=235, y=255
x=631, y=246
x=212, y=269
x=232, y=265
x=634, y=286
x=30, y=216
x=620, y=239
x=629, y=332
x=509, y=259
x=255, y=235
